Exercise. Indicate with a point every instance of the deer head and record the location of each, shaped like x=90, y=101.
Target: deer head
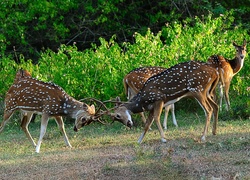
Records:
x=123, y=117
x=21, y=74
x=240, y=51
x=84, y=117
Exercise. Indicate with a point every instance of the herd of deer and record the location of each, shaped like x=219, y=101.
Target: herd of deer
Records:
x=147, y=88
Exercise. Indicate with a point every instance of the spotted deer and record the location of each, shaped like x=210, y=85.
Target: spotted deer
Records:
x=135, y=80
x=188, y=79
x=30, y=96
x=228, y=68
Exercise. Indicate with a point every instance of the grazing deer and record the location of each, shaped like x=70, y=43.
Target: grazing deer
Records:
x=135, y=80
x=30, y=96
x=188, y=79
x=228, y=68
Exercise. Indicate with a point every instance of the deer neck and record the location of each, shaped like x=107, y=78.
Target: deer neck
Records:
x=236, y=64
x=134, y=105
x=71, y=107
x=139, y=104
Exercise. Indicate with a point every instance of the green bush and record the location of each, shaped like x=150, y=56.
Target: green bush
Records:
x=98, y=71
x=29, y=27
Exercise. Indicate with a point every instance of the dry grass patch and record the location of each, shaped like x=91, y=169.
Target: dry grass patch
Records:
x=112, y=152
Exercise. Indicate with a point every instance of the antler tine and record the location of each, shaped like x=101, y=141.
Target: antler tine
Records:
x=99, y=113
x=107, y=112
x=96, y=118
x=103, y=102
x=96, y=100
x=114, y=101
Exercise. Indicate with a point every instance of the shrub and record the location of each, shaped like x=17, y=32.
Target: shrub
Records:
x=98, y=71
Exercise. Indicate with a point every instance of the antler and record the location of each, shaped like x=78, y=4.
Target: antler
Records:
x=96, y=100
x=117, y=101
x=99, y=113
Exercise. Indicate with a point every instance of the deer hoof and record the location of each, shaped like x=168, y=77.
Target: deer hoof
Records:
x=163, y=140
x=69, y=145
x=203, y=139
x=214, y=132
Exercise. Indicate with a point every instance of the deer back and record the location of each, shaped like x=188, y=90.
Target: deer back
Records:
x=136, y=78
x=184, y=79
x=30, y=94
x=222, y=66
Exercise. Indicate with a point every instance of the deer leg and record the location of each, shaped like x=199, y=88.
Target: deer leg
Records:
x=143, y=117
x=173, y=115
x=202, y=99
x=26, y=117
x=59, y=121
x=215, y=114
x=165, y=121
x=147, y=126
x=208, y=113
x=44, y=123
x=158, y=105
x=6, y=118
x=220, y=94
x=226, y=89
x=167, y=108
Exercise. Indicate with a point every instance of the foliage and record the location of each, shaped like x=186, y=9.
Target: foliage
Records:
x=8, y=70
x=32, y=27
x=98, y=71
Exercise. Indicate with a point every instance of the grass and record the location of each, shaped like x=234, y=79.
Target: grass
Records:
x=111, y=152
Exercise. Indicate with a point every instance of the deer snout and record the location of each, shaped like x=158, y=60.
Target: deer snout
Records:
x=130, y=124
x=75, y=129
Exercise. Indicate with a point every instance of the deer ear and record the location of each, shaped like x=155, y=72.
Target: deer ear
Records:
x=244, y=42
x=92, y=107
x=118, y=101
x=234, y=44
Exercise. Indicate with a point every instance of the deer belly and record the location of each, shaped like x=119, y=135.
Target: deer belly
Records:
x=25, y=113
x=172, y=101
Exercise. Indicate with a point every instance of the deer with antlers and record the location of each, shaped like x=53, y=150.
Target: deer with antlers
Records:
x=188, y=79
x=135, y=80
x=228, y=69
x=30, y=96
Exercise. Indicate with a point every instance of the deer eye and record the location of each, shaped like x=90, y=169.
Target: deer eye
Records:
x=118, y=116
x=83, y=119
